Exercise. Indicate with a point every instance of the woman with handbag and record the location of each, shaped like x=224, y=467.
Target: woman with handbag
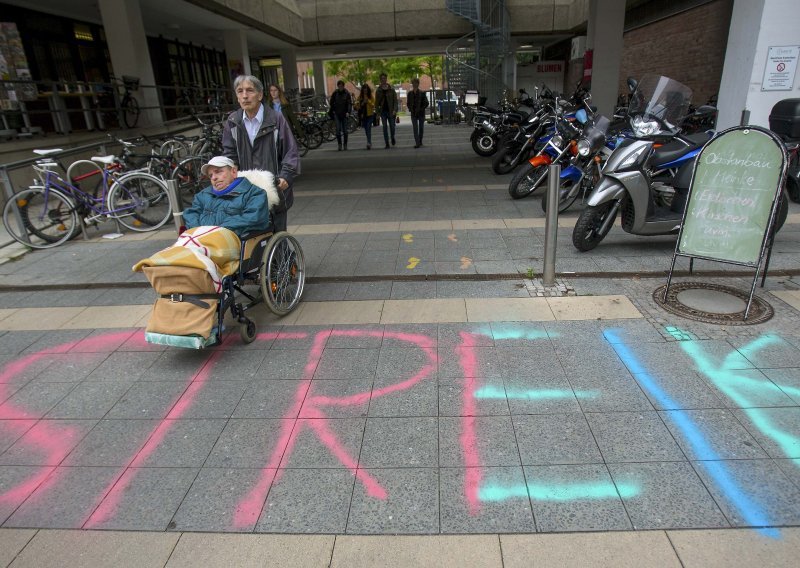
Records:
x=365, y=105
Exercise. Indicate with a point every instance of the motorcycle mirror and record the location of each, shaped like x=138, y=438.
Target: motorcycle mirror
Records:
x=632, y=84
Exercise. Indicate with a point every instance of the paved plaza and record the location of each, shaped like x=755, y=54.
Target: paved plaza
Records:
x=429, y=402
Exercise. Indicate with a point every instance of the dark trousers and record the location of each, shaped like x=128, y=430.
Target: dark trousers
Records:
x=367, y=124
x=388, y=124
x=418, y=124
x=341, y=128
x=279, y=221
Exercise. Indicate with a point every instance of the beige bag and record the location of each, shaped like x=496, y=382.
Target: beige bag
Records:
x=181, y=318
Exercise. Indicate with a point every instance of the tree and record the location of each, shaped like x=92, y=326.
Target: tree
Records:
x=356, y=71
x=399, y=69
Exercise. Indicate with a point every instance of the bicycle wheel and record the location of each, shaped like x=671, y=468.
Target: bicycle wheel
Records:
x=87, y=176
x=46, y=218
x=189, y=179
x=282, y=274
x=139, y=201
x=314, y=136
x=130, y=111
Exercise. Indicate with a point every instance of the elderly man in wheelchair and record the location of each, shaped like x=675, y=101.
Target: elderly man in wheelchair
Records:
x=227, y=243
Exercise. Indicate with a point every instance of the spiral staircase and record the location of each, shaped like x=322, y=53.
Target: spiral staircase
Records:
x=476, y=60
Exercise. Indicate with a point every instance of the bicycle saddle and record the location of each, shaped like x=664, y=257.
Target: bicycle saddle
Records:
x=48, y=151
x=107, y=160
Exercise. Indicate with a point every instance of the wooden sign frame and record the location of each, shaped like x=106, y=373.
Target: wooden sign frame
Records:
x=768, y=234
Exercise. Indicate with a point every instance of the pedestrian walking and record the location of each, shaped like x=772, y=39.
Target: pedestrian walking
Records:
x=279, y=103
x=417, y=102
x=256, y=137
x=386, y=105
x=365, y=106
x=341, y=107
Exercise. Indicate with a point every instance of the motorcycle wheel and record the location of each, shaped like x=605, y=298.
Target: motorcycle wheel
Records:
x=526, y=180
x=506, y=159
x=586, y=234
x=567, y=194
x=483, y=143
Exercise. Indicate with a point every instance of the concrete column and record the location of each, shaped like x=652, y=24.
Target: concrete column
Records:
x=756, y=25
x=127, y=45
x=236, y=53
x=604, y=35
x=289, y=68
x=319, y=77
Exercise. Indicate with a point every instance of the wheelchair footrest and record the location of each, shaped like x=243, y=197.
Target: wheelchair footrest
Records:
x=185, y=341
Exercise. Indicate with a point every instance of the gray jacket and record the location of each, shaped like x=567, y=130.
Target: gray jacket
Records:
x=276, y=153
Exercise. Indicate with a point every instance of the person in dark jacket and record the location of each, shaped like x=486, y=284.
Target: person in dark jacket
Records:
x=417, y=102
x=341, y=106
x=256, y=137
x=231, y=202
x=386, y=106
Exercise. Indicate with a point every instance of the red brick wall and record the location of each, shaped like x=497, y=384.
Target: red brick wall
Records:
x=688, y=47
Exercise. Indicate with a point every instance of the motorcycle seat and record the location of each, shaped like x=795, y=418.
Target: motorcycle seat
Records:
x=674, y=150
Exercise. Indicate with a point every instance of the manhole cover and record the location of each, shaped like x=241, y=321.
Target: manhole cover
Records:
x=712, y=303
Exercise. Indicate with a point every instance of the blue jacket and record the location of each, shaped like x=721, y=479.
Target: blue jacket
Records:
x=243, y=209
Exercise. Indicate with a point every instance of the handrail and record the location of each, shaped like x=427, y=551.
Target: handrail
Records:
x=101, y=142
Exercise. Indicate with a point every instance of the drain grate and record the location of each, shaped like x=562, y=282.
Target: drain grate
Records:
x=760, y=310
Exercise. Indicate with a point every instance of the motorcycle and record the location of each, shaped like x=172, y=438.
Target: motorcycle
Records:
x=557, y=147
x=520, y=143
x=591, y=151
x=647, y=177
x=490, y=124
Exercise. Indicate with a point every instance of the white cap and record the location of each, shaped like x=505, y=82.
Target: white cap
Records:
x=218, y=161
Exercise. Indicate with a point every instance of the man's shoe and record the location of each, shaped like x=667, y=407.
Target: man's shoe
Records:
x=416, y=145
x=387, y=146
x=340, y=147
x=369, y=146
x=393, y=142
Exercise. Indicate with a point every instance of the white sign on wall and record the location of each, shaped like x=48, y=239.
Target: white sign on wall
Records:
x=780, y=69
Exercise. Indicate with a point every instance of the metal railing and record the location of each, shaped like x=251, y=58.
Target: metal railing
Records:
x=64, y=107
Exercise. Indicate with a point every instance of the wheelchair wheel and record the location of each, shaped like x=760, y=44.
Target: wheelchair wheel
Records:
x=282, y=273
x=247, y=331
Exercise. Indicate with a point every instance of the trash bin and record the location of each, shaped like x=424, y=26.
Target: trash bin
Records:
x=447, y=109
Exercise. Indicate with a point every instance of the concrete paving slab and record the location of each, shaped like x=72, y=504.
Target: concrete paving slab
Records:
x=308, y=501
x=424, y=311
x=666, y=495
x=411, y=504
x=611, y=550
x=508, y=309
x=593, y=307
x=501, y=507
x=425, y=552
x=110, y=549
x=568, y=498
x=101, y=317
x=545, y=439
x=12, y=541
x=39, y=318
x=343, y=312
x=252, y=550
x=735, y=548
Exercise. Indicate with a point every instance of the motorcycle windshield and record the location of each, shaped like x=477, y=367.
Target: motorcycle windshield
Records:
x=660, y=97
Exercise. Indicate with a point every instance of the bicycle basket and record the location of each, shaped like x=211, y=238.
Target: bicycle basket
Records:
x=130, y=82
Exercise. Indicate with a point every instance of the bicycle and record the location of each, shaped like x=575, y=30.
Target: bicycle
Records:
x=188, y=101
x=47, y=215
x=128, y=106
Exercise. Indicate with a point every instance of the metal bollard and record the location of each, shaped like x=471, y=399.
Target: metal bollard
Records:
x=551, y=224
x=175, y=203
x=8, y=189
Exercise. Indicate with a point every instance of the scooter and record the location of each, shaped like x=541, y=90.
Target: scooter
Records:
x=647, y=177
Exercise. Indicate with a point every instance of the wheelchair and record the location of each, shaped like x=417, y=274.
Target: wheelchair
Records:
x=272, y=261
x=275, y=263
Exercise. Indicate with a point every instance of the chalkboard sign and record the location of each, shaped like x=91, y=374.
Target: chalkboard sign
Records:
x=736, y=179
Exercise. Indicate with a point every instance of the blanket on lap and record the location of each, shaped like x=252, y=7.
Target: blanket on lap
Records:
x=213, y=249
